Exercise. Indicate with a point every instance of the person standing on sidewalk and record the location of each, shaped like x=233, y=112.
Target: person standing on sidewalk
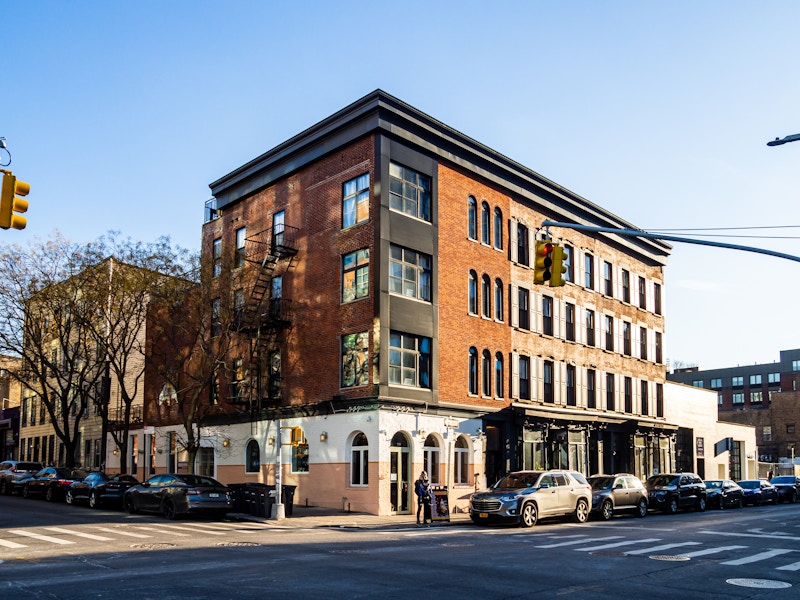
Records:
x=422, y=487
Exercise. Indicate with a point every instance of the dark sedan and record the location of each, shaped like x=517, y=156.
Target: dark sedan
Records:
x=98, y=488
x=51, y=483
x=788, y=487
x=174, y=495
x=758, y=491
x=724, y=493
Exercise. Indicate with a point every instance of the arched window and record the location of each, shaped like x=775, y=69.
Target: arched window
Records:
x=399, y=440
x=461, y=461
x=498, y=299
x=473, y=371
x=252, y=459
x=472, y=225
x=486, y=228
x=498, y=375
x=431, y=458
x=486, y=297
x=498, y=228
x=359, y=460
x=473, y=293
x=486, y=373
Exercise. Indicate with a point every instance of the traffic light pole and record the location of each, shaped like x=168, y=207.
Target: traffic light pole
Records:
x=669, y=238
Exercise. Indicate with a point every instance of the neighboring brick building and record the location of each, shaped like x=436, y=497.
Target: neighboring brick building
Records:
x=385, y=261
x=763, y=395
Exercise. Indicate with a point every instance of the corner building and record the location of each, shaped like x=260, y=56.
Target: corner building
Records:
x=386, y=263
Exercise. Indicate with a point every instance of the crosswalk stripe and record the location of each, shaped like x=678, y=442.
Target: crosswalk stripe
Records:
x=757, y=557
x=38, y=536
x=790, y=567
x=183, y=528
x=211, y=527
x=126, y=533
x=8, y=544
x=157, y=530
x=617, y=545
x=662, y=547
x=88, y=536
x=580, y=541
x=708, y=551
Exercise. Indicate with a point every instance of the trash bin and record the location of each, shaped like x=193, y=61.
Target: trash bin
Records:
x=287, y=498
x=237, y=497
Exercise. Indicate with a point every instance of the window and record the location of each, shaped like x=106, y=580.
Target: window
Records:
x=657, y=297
x=590, y=328
x=628, y=395
x=473, y=371
x=642, y=293
x=252, y=460
x=216, y=253
x=611, y=393
x=524, y=377
x=237, y=383
x=774, y=378
x=473, y=293
x=355, y=275
x=241, y=233
x=626, y=286
x=719, y=398
x=591, y=390
x=644, y=397
x=409, y=360
x=756, y=397
x=355, y=201
x=737, y=381
x=626, y=338
x=278, y=231
x=498, y=299
x=547, y=377
x=547, y=315
x=643, y=343
x=355, y=363
x=570, y=321
x=659, y=348
x=486, y=227
x=486, y=374
x=566, y=261
x=738, y=398
x=796, y=365
x=766, y=433
x=588, y=263
x=430, y=458
x=716, y=383
x=790, y=428
x=216, y=319
x=755, y=379
x=300, y=453
x=409, y=192
x=524, y=318
x=472, y=218
x=522, y=244
x=571, y=395
x=609, y=333
x=461, y=461
x=608, y=279
x=409, y=273
x=486, y=297
x=697, y=383
x=359, y=460
x=274, y=381
x=498, y=228
x=498, y=375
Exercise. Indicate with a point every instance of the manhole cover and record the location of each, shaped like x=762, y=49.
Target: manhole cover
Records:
x=607, y=553
x=457, y=545
x=669, y=557
x=354, y=551
x=763, y=584
x=152, y=546
x=238, y=544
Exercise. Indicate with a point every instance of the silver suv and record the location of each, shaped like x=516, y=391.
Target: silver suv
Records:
x=527, y=496
x=12, y=472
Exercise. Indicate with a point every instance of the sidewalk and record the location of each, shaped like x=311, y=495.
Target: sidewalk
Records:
x=312, y=516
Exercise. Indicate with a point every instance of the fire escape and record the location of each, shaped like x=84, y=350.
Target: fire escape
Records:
x=261, y=318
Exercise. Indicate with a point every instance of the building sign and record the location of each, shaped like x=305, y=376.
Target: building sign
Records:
x=700, y=447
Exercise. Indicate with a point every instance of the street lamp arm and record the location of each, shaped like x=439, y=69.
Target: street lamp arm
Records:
x=789, y=138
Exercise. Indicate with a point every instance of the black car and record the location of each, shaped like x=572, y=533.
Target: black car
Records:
x=51, y=483
x=758, y=492
x=622, y=492
x=98, y=488
x=13, y=472
x=173, y=495
x=724, y=493
x=788, y=487
x=670, y=491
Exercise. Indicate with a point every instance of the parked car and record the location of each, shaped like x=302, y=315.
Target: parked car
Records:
x=669, y=492
x=51, y=482
x=98, y=488
x=12, y=472
x=617, y=493
x=526, y=496
x=758, y=491
x=724, y=493
x=788, y=487
x=175, y=495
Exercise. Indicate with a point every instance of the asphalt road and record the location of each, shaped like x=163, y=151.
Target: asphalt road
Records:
x=65, y=552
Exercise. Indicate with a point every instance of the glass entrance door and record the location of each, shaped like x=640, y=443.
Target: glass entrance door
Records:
x=399, y=474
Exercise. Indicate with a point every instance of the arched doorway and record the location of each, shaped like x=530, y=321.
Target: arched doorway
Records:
x=400, y=474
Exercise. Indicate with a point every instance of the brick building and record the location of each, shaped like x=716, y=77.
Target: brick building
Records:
x=380, y=264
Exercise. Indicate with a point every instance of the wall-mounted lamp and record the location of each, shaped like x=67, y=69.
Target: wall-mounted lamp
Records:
x=271, y=441
x=323, y=437
x=421, y=432
x=160, y=450
x=115, y=452
x=226, y=442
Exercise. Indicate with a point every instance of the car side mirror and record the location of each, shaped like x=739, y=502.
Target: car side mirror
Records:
x=618, y=486
x=544, y=486
x=146, y=484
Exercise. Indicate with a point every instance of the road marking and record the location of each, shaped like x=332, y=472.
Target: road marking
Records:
x=757, y=557
x=38, y=536
x=790, y=567
x=663, y=547
x=581, y=541
x=88, y=536
x=193, y=530
x=120, y=532
x=8, y=544
x=708, y=551
x=617, y=545
x=214, y=527
x=755, y=535
x=157, y=530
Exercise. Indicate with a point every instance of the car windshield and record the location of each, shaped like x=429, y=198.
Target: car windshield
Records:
x=517, y=481
x=750, y=485
x=663, y=480
x=782, y=480
x=601, y=483
x=28, y=466
x=199, y=480
x=713, y=485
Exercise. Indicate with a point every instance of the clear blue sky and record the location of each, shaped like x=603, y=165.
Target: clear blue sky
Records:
x=119, y=115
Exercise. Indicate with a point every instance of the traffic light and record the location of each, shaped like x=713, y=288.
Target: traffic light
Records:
x=558, y=268
x=543, y=261
x=10, y=204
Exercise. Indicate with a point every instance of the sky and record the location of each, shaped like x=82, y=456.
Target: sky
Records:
x=120, y=114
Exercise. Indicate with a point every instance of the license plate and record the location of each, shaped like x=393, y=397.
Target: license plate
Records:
x=213, y=495
x=483, y=515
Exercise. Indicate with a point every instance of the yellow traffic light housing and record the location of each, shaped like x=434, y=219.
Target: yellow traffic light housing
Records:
x=10, y=204
x=558, y=268
x=543, y=261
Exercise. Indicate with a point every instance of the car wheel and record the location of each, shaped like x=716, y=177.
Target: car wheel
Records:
x=94, y=501
x=641, y=508
x=69, y=498
x=50, y=494
x=130, y=506
x=672, y=506
x=793, y=497
x=607, y=510
x=721, y=504
x=701, y=504
x=757, y=502
x=740, y=504
x=169, y=510
x=529, y=515
x=582, y=511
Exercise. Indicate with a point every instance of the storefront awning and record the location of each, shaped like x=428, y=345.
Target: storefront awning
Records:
x=558, y=413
